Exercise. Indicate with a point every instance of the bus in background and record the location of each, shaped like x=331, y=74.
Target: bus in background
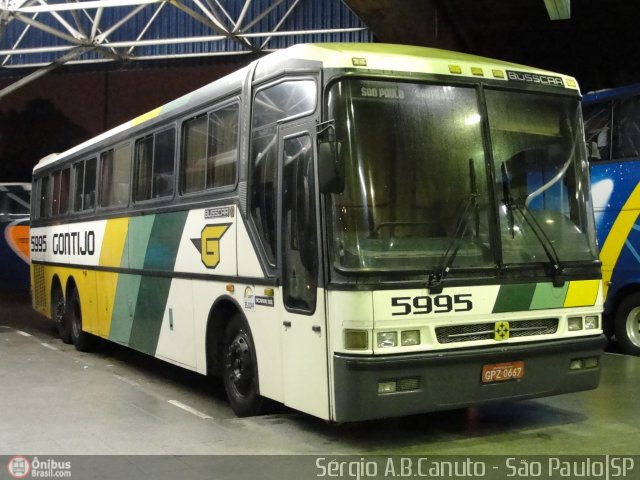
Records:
x=355, y=231
x=14, y=237
x=612, y=129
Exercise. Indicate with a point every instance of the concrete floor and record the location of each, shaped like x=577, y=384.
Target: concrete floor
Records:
x=57, y=401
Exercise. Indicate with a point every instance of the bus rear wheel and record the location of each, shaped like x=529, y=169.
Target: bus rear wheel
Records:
x=81, y=339
x=240, y=372
x=627, y=324
x=58, y=315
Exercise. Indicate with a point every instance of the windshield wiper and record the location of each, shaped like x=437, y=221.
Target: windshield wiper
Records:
x=471, y=205
x=545, y=241
x=536, y=228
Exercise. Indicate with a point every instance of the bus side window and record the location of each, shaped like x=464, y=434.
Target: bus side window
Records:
x=223, y=147
x=115, y=170
x=84, y=174
x=194, y=153
x=42, y=187
x=60, y=196
x=210, y=153
x=154, y=165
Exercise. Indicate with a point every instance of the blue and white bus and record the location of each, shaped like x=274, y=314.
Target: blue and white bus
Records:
x=612, y=129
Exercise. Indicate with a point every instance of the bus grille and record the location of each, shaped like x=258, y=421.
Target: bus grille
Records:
x=486, y=331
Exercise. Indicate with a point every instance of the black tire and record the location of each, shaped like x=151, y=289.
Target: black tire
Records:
x=82, y=340
x=240, y=371
x=58, y=315
x=627, y=324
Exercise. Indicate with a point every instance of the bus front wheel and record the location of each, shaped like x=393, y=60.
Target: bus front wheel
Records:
x=240, y=372
x=627, y=324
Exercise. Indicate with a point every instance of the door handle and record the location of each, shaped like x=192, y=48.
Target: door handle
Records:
x=316, y=328
x=287, y=324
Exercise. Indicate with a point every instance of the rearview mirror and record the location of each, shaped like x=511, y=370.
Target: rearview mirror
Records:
x=330, y=168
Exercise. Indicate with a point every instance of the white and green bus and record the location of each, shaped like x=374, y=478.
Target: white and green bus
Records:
x=355, y=231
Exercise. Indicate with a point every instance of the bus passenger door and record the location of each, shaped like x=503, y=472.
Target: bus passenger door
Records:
x=304, y=342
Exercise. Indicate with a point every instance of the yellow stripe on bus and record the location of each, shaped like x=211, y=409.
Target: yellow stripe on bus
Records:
x=618, y=235
x=147, y=116
x=113, y=245
x=115, y=236
x=582, y=293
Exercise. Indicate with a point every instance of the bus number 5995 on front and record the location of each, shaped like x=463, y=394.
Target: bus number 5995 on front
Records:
x=423, y=305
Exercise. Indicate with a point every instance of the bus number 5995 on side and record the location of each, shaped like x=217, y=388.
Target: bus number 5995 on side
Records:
x=423, y=305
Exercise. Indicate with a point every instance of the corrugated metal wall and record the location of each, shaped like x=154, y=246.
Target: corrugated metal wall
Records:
x=171, y=23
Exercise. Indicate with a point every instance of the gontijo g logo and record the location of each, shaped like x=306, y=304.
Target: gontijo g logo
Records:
x=209, y=243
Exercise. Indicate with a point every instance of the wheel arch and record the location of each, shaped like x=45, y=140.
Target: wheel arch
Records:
x=71, y=285
x=612, y=302
x=56, y=284
x=221, y=313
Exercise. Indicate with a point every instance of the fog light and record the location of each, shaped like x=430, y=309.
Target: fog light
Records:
x=591, y=322
x=387, y=339
x=409, y=338
x=387, y=386
x=356, y=339
x=575, y=323
x=591, y=362
x=576, y=364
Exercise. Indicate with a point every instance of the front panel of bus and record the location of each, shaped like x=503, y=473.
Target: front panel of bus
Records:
x=461, y=254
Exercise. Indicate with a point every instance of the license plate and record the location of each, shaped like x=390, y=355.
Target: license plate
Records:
x=501, y=372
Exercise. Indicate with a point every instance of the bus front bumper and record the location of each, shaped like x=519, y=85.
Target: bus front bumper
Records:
x=453, y=379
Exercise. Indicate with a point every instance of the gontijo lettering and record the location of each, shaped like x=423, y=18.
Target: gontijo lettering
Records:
x=74, y=243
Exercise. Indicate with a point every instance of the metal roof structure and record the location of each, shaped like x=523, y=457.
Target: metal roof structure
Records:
x=46, y=34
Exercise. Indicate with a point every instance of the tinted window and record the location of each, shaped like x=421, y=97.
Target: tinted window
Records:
x=210, y=150
x=115, y=168
x=154, y=166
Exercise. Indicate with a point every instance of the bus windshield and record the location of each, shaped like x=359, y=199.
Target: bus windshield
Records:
x=418, y=186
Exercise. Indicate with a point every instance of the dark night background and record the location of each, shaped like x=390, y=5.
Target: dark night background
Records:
x=599, y=45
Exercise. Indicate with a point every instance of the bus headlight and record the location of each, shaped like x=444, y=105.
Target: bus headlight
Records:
x=356, y=339
x=410, y=338
x=591, y=322
x=574, y=323
x=387, y=339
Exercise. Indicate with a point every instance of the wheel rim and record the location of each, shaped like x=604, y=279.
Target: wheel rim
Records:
x=632, y=326
x=239, y=364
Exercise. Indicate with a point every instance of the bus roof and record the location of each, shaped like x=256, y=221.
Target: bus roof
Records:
x=611, y=93
x=365, y=56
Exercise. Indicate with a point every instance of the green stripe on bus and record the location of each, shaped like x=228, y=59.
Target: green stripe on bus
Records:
x=124, y=308
x=160, y=254
x=512, y=298
x=152, y=300
x=138, y=240
x=164, y=241
x=548, y=296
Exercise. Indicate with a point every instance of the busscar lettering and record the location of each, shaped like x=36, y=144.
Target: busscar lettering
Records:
x=534, y=78
x=74, y=243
